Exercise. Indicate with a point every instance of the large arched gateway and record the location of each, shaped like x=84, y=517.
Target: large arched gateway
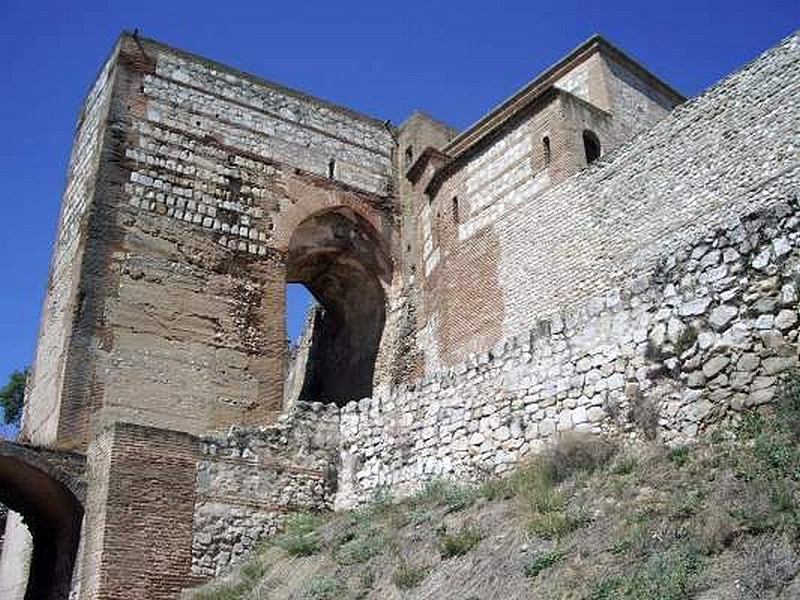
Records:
x=50, y=500
x=345, y=265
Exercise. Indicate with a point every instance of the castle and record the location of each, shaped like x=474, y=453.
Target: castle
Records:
x=594, y=254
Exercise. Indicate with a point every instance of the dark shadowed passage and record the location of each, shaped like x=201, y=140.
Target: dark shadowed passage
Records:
x=343, y=262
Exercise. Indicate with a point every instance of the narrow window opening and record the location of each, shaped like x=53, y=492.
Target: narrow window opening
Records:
x=456, y=216
x=409, y=155
x=332, y=168
x=546, y=151
x=591, y=145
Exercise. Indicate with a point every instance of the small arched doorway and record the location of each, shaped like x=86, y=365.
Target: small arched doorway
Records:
x=50, y=504
x=344, y=263
x=591, y=146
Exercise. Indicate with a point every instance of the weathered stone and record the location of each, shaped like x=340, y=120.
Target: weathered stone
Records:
x=761, y=261
x=761, y=396
x=595, y=414
x=696, y=379
x=748, y=362
x=715, y=365
x=766, y=305
x=778, y=364
x=722, y=315
x=694, y=307
x=786, y=319
x=741, y=379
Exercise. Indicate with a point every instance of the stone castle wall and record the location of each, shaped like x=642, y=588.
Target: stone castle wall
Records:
x=687, y=346
x=654, y=293
x=544, y=249
x=249, y=479
x=689, y=227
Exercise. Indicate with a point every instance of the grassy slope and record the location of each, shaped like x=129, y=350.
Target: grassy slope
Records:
x=586, y=520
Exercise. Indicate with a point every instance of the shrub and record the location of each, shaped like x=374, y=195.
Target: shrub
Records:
x=451, y=494
x=679, y=456
x=666, y=576
x=460, y=542
x=578, y=452
x=624, y=465
x=408, y=576
x=713, y=530
x=253, y=570
x=554, y=524
x=325, y=587
x=542, y=561
x=299, y=537
x=362, y=548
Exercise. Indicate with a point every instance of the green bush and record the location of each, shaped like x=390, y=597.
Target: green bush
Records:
x=460, y=542
x=300, y=537
x=679, y=456
x=325, y=587
x=554, y=524
x=361, y=548
x=624, y=465
x=409, y=576
x=666, y=576
x=451, y=494
x=542, y=561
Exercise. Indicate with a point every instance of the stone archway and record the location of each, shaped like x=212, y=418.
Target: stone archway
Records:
x=33, y=484
x=344, y=262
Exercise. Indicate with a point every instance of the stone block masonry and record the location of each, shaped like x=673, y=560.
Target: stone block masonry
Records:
x=689, y=345
x=249, y=479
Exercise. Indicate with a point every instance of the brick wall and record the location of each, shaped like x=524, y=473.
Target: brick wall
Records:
x=139, y=514
x=560, y=241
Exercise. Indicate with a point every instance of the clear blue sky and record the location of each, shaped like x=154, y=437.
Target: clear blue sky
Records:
x=453, y=59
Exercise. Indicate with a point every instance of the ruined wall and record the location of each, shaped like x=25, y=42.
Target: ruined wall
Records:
x=704, y=335
x=461, y=247
x=50, y=385
x=249, y=479
x=205, y=173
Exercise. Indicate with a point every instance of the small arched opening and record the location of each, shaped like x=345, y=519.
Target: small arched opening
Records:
x=49, y=502
x=409, y=156
x=344, y=264
x=546, y=152
x=591, y=146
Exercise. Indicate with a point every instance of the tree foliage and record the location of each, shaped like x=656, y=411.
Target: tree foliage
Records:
x=12, y=396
